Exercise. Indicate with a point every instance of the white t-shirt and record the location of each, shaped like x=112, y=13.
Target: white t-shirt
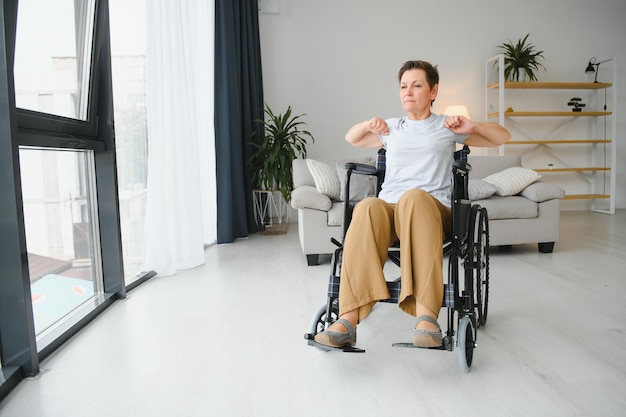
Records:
x=419, y=155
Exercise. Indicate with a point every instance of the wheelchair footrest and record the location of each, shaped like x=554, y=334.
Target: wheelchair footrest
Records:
x=310, y=338
x=411, y=345
x=448, y=344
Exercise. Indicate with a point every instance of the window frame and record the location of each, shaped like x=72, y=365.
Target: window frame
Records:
x=20, y=352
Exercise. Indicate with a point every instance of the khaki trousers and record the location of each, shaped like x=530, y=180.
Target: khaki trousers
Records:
x=420, y=222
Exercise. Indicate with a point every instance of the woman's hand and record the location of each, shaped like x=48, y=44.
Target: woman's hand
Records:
x=378, y=126
x=460, y=125
x=479, y=133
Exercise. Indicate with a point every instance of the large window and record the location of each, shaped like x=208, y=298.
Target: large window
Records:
x=52, y=77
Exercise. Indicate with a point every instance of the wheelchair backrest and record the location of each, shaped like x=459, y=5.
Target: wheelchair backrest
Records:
x=460, y=170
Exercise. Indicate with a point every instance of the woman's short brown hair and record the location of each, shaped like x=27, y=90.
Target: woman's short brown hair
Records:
x=432, y=75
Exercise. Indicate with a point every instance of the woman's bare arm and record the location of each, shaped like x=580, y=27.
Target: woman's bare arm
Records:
x=365, y=134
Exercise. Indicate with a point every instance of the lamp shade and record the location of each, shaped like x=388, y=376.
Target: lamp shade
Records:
x=457, y=110
x=590, y=67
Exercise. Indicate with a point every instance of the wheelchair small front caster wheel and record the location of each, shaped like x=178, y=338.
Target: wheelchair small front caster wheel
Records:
x=466, y=344
x=319, y=320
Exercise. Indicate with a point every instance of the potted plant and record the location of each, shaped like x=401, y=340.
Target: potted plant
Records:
x=577, y=104
x=272, y=155
x=521, y=60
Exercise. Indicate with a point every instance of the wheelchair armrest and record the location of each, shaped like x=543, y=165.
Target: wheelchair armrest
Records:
x=362, y=169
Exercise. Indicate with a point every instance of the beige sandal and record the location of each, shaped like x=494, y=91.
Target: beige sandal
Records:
x=428, y=338
x=334, y=338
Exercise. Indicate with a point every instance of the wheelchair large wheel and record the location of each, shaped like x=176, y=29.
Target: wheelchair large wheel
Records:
x=479, y=238
x=466, y=344
x=318, y=322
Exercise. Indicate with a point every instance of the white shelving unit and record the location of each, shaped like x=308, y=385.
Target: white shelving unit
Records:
x=554, y=140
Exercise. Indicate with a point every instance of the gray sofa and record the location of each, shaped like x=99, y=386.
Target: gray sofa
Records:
x=531, y=216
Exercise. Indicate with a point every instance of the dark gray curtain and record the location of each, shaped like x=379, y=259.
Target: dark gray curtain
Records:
x=238, y=104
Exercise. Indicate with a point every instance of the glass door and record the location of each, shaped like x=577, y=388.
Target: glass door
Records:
x=61, y=232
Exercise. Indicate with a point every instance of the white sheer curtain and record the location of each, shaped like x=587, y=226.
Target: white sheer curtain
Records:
x=180, y=207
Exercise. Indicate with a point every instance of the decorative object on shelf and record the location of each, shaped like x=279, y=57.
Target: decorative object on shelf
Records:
x=271, y=160
x=521, y=60
x=590, y=67
x=577, y=104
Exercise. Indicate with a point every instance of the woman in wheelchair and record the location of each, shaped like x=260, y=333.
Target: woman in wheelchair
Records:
x=413, y=207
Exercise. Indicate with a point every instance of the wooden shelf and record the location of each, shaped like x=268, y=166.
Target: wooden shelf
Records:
x=558, y=142
x=571, y=169
x=551, y=113
x=537, y=85
x=585, y=196
x=541, y=120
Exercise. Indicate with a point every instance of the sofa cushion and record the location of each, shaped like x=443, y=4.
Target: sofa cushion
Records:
x=307, y=196
x=542, y=191
x=512, y=207
x=479, y=189
x=512, y=180
x=325, y=177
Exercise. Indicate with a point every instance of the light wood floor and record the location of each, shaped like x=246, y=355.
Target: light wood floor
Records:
x=226, y=339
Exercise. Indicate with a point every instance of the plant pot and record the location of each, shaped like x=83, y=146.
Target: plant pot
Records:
x=270, y=212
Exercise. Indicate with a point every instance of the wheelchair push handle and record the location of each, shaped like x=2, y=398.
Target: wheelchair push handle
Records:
x=460, y=164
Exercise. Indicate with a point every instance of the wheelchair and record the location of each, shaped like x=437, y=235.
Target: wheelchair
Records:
x=465, y=298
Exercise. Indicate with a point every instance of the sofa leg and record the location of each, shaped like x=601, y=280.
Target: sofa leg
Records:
x=313, y=259
x=546, y=247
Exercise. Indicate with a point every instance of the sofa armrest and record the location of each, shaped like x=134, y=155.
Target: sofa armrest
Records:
x=307, y=196
x=542, y=191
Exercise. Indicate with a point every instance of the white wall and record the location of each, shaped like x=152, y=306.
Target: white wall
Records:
x=337, y=60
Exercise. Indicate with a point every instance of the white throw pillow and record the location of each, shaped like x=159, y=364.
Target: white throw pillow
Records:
x=325, y=178
x=512, y=180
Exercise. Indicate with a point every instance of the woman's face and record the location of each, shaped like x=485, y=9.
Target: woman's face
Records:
x=415, y=93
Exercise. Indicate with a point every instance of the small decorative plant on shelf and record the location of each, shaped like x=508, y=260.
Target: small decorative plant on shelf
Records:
x=273, y=154
x=521, y=60
x=577, y=104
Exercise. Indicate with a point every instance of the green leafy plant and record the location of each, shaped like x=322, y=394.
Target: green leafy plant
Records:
x=520, y=58
x=273, y=154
